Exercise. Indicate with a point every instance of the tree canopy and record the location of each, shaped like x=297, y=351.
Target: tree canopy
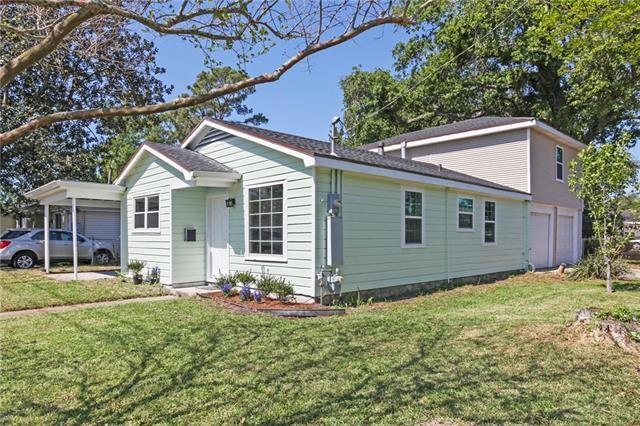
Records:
x=570, y=63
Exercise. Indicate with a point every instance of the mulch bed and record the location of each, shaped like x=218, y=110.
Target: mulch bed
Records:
x=273, y=307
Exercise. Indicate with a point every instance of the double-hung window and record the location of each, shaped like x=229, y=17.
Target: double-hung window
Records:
x=559, y=164
x=465, y=214
x=266, y=219
x=412, y=218
x=146, y=212
x=489, y=227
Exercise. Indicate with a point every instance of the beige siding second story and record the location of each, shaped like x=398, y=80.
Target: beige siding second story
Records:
x=545, y=187
x=500, y=157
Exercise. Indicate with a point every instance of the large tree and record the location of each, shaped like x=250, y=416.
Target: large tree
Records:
x=66, y=79
x=245, y=27
x=572, y=63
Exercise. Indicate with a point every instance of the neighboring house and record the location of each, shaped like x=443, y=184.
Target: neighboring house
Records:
x=7, y=222
x=522, y=153
x=239, y=198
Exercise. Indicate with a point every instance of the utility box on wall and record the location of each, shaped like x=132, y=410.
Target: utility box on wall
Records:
x=189, y=234
x=334, y=241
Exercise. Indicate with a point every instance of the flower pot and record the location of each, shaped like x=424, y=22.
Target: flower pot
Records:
x=137, y=279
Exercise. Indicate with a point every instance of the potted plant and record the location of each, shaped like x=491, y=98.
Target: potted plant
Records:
x=136, y=266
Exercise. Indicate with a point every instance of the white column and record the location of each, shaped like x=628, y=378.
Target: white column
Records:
x=74, y=227
x=46, y=238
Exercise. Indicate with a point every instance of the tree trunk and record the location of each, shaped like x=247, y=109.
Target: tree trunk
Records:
x=609, y=281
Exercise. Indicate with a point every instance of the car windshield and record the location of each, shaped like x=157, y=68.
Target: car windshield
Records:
x=12, y=235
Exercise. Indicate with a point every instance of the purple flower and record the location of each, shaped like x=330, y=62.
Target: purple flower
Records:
x=245, y=293
x=226, y=289
x=257, y=296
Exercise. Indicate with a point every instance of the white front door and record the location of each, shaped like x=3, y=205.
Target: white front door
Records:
x=218, y=244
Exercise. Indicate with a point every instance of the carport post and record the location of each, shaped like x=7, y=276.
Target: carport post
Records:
x=74, y=228
x=46, y=238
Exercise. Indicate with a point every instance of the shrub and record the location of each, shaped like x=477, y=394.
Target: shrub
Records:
x=245, y=293
x=279, y=286
x=223, y=279
x=136, y=266
x=245, y=278
x=593, y=266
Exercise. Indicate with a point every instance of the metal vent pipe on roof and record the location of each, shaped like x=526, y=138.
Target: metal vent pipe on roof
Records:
x=334, y=134
x=381, y=148
x=403, y=149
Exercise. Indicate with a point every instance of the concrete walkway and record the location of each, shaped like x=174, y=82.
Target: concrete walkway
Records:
x=64, y=308
x=82, y=276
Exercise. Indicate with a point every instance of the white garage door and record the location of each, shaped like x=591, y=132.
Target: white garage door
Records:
x=102, y=225
x=566, y=239
x=539, y=227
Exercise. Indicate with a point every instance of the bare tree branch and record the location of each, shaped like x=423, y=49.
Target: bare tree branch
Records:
x=12, y=135
x=30, y=56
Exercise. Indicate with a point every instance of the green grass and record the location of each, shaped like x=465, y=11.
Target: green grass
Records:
x=487, y=354
x=32, y=289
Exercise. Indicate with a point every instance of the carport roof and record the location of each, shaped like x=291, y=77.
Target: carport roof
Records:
x=59, y=192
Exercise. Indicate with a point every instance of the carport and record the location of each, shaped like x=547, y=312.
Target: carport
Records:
x=73, y=194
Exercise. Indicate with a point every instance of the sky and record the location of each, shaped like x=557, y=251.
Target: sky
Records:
x=307, y=97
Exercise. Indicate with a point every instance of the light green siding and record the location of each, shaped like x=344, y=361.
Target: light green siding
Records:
x=259, y=164
x=373, y=256
x=189, y=210
x=151, y=176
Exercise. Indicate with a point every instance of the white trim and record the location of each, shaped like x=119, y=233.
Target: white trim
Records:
x=222, y=177
x=59, y=190
x=285, y=236
x=198, y=133
x=548, y=210
x=494, y=221
x=562, y=163
x=313, y=231
x=338, y=164
x=548, y=130
x=529, y=168
x=145, y=213
x=403, y=243
x=473, y=214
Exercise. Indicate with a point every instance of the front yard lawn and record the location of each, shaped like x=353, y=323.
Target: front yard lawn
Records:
x=488, y=354
x=21, y=289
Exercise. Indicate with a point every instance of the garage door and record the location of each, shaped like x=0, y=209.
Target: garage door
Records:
x=566, y=239
x=539, y=227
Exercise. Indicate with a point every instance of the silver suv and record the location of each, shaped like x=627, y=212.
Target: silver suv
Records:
x=23, y=248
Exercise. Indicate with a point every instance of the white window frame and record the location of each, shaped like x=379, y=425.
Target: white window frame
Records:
x=285, y=237
x=145, y=212
x=561, y=163
x=473, y=214
x=494, y=221
x=403, y=216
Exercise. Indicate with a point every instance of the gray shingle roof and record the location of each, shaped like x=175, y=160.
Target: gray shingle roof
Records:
x=450, y=129
x=190, y=160
x=355, y=155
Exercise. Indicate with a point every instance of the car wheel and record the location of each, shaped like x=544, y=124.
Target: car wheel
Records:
x=103, y=257
x=24, y=260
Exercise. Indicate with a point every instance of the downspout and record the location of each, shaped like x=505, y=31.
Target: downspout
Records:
x=446, y=233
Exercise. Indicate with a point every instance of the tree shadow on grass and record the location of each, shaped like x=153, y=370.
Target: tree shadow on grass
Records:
x=626, y=286
x=205, y=365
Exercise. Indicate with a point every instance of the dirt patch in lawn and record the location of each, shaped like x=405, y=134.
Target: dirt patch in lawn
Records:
x=273, y=307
